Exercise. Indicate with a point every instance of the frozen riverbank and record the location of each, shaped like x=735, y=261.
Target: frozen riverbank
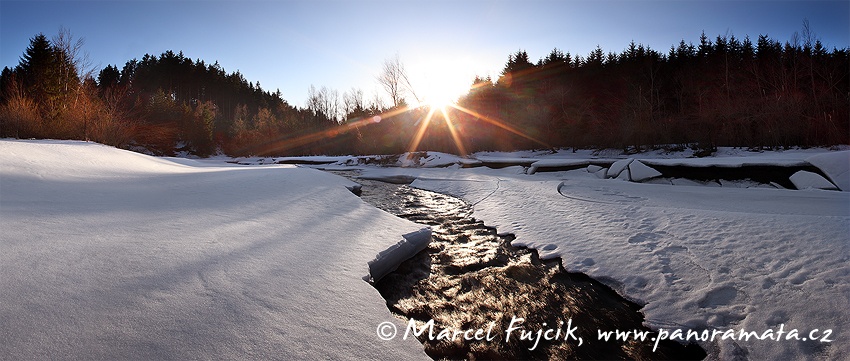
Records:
x=700, y=258
x=110, y=254
x=470, y=277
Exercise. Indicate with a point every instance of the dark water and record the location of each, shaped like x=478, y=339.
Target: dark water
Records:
x=471, y=278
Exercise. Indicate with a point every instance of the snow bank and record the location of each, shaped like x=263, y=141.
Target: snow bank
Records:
x=728, y=162
x=108, y=254
x=293, y=160
x=723, y=154
x=556, y=163
x=836, y=166
x=432, y=160
x=491, y=160
x=809, y=180
x=752, y=259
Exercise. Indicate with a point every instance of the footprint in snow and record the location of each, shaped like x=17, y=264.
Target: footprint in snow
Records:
x=719, y=297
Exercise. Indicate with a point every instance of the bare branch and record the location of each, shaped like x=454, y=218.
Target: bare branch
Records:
x=395, y=81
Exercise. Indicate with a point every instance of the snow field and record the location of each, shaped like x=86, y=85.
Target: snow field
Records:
x=109, y=254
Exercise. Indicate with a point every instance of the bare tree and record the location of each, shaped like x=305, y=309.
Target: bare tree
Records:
x=313, y=100
x=376, y=104
x=330, y=105
x=395, y=81
x=353, y=103
x=809, y=40
x=324, y=102
x=72, y=58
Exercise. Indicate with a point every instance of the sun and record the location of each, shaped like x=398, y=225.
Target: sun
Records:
x=440, y=84
x=441, y=94
x=444, y=93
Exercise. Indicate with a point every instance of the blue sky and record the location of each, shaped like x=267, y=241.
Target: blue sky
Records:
x=290, y=45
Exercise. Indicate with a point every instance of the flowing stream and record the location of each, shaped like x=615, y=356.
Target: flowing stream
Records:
x=472, y=278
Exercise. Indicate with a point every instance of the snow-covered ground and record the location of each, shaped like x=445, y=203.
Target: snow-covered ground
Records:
x=110, y=254
x=700, y=258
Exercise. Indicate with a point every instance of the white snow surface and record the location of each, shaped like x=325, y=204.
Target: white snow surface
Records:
x=602, y=173
x=640, y=172
x=109, y=254
x=836, y=166
x=751, y=259
x=432, y=160
x=808, y=180
x=624, y=175
x=389, y=259
x=593, y=168
x=724, y=157
x=618, y=167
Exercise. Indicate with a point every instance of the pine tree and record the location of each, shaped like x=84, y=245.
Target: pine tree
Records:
x=7, y=77
x=108, y=77
x=596, y=58
x=38, y=70
x=517, y=63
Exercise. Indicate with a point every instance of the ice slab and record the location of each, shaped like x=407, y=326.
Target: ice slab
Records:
x=809, y=180
x=389, y=259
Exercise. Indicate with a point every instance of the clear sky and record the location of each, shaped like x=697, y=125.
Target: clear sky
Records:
x=290, y=45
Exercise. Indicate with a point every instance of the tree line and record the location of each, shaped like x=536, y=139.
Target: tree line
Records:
x=160, y=104
x=720, y=92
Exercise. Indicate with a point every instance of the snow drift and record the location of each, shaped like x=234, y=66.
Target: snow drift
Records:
x=836, y=166
x=109, y=254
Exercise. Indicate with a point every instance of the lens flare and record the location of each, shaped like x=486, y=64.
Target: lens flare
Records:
x=457, y=134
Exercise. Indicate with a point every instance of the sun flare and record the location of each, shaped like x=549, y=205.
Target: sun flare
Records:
x=440, y=98
x=440, y=84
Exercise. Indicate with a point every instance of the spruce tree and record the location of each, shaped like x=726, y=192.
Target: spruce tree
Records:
x=108, y=77
x=38, y=70
x=7, y=77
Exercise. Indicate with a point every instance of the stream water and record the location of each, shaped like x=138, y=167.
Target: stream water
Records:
x=472, y=278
